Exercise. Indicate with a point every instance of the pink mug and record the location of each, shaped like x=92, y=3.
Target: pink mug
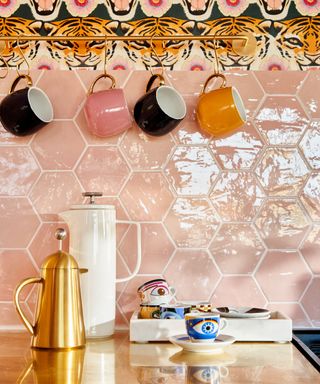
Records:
x=107, y=111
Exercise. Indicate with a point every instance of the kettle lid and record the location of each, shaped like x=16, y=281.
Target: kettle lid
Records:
x=92, y=205
x=60, y=259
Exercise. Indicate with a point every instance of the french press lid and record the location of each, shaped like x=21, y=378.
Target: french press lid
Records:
x=92, y=204
x=60, y=259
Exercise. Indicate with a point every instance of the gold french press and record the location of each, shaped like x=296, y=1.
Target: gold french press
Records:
x=59, y=317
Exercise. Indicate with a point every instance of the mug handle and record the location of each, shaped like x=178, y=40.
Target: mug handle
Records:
x=103, y=76
x=224, y=371
x=17, y=79
x=223, y=324
x=224, y=81
x=152, y=79
x=138, y=263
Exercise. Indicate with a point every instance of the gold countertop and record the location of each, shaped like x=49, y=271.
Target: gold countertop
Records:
x=117, y=361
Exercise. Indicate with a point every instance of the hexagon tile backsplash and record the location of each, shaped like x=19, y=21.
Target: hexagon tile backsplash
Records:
x=234, y=220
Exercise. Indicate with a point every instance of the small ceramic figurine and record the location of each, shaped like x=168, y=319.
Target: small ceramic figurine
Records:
x=156, y=292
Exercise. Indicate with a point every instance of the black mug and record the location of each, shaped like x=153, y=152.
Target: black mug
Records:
x=25, y=111
x=160, y=110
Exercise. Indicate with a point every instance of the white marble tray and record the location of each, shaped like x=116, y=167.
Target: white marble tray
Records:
x=277, y=328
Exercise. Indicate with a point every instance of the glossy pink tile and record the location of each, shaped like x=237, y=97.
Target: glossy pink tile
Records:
x=281, y=120
x=282, y=171
x=236, y=196
x=237, y=291
x=239, y=150
x=311, y=249
x=284, y=269
x=308, y=96
x=146, y=196
x=18, y=222
x=190, y=133
x=52, y=146
x=54, y=192
x=280, y=82
x=282, y=223
x=310, y=145
x=193, y=274
x=45, y=243
x=191, y=222
x=237, y=248
x=292, y=310
x=102, y=169
x=191, y=170
x=66, y=100
x=7, y=138
x=9, y=317
x=310, y=303
x=18, y=266
x=186, y=84
x=145, y=152
x=135, y=87
x=157, y=248
x=18, y=171
x=310, y=196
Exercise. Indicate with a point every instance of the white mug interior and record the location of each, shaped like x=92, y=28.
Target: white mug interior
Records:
x=40, y=104
x=171, y=102
x=239, y=104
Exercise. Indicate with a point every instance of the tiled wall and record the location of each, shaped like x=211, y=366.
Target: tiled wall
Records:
x=234, y=220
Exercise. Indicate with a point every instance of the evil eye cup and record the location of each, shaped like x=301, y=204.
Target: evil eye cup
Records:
x=159, y=291
x=204, y=327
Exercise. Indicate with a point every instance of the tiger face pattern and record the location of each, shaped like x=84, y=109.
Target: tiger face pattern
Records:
x=234, y=26
x=81, y=53
x=16, y=26
x=169, y=52
x=45, y=9
x=298, y=41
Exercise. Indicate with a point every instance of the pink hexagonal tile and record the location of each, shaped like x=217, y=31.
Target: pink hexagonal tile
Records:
x=281, y=223
x=191, y=222
x=308, y=96
x=249, y=89
x=121, y=321
x=18, y=170
x=191, y=170
x=129, y=300
x=311, y=249
x=18, y=222
x=67, y=100
x=103, y=169
x=284, y=269
x=237, y=291
x=237, y=248
x=280, y=82
x=191, y=103
x=310, y=196
x=146, y=152
x=189, y=133
x=310, y=145
x=281, y=120
x=54, y=192
x=146, y=196
x=282, y=171
x=292, y=310
x=239, y=150
x=310, y=301
x=45, y=243
x=135, y=87
x=121, y=214
x=193, y=274
x=15, y=266
x=9, y=317
x=52, y=146
x=237, y=196
x=156, y=248
x=88, y=77
x=186, y=84
x=91, y=139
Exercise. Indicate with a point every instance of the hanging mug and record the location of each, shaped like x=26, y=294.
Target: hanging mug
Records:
x=106, y=112
x=25, y=111
x=221, y=110
x=160, y=110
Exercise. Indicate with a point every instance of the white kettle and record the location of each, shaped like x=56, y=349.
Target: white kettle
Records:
x=93, y=244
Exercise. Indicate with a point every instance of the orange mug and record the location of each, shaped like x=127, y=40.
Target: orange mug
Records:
x=221, y=110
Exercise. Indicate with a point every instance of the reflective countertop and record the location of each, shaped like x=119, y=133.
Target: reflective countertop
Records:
x=118, y=361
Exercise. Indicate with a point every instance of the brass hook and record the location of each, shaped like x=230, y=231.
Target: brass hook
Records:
x=24, y=58
x=152, y=49
x=217, y=64
x=105, y=56
x=5, y=63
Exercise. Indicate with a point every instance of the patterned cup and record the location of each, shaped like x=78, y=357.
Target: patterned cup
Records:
x=204, y=327
x=175, y=311
x=156, y=291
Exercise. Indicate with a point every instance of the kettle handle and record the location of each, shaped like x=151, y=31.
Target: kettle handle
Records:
x=138, y=263
x=19, y=287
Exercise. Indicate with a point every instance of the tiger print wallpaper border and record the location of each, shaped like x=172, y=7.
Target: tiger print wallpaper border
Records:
x=286, y=33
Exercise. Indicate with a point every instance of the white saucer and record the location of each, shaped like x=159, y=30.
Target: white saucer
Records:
x=243, y=312
x=184, y=342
